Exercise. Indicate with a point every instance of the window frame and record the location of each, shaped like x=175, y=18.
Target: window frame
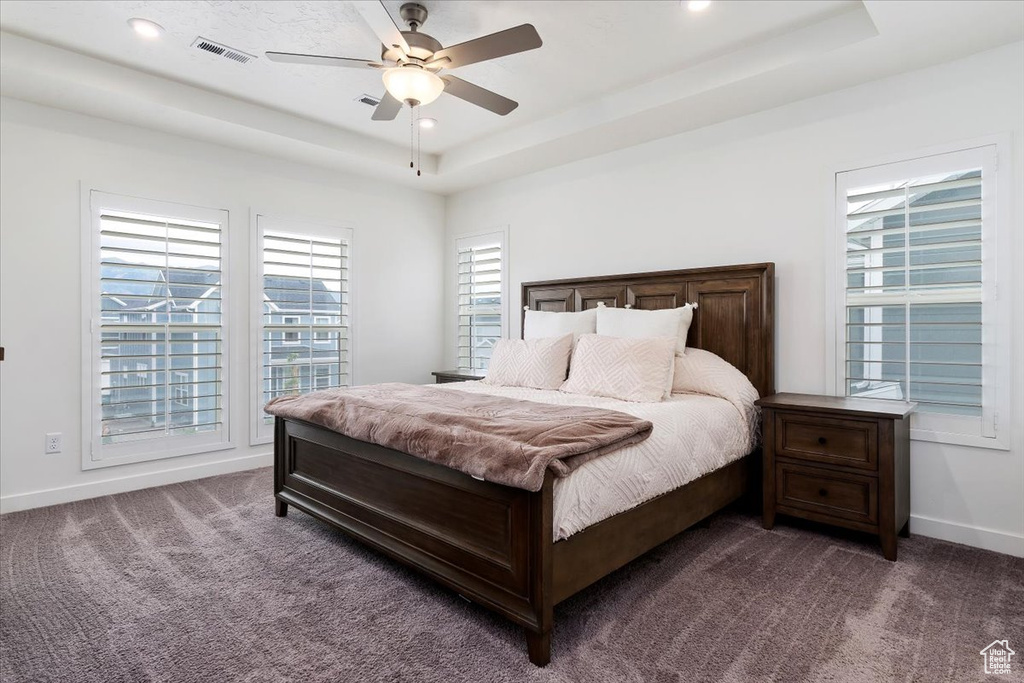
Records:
x=259, y=433
x=94, y=454
x=991, y=430
x=475, y=239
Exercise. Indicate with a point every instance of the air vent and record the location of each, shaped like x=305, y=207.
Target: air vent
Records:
x=220, y=50
x=369, y=99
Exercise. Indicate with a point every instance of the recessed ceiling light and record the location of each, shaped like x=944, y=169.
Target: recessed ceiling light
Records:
x=698, y=5
x=428, y=123
x=146, y=28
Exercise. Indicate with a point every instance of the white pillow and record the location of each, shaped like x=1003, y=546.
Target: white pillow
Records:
x=638, y=370
x=701, y=372
x=534, y=363
x=636, y=323
x=539, y=324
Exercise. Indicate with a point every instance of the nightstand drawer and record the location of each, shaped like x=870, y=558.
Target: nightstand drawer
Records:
x=835, y=494
x=836, y=441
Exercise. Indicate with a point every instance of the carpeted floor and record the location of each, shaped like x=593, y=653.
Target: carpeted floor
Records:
x=200, y=582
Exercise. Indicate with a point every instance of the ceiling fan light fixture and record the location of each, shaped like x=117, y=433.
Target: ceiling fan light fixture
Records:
x=413, y=85
x=698, y=5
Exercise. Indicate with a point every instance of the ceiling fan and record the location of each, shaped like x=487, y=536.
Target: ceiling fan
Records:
x=411, y=60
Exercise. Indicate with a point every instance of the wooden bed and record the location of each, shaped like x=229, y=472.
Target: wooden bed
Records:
x=493, y=544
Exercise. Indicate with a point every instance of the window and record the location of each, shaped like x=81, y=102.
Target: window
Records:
x=181, y=390
x=303, y=336
x=290, y=336
x=321, y=331
x=916, y=314
x=157, y=357
x=322, y=376
x=482, y=293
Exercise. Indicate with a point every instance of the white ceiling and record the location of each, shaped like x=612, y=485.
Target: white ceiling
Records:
x=590, y=48
x=605, y=67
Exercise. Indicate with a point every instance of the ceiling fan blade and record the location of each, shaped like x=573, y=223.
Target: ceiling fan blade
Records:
x=377, y=16
x=321, y=60
x=507, y=42
x=481, y=97
x=388, y=108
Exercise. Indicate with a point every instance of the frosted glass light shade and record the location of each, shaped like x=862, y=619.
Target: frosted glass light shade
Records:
x=409, y=84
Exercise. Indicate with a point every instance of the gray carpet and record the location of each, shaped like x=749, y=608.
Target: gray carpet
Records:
x=200, y=582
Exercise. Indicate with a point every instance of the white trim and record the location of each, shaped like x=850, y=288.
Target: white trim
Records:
x=472, y=239
x=998, y=317
x=260, y=433
x=977, y=537
x=134, y=482
x=167, y=447
x=959, y=439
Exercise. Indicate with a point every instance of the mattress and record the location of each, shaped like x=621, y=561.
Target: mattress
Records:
x=693, y=435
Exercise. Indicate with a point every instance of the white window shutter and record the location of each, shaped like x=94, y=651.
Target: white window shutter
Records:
x=158, y=330
x=917, y=282
x=305, y=312
x=481, y=277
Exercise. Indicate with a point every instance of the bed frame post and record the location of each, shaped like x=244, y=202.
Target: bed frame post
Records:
x=538, y=642
x=280, y=447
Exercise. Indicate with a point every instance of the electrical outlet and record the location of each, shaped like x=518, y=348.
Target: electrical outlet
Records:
x=54, y=442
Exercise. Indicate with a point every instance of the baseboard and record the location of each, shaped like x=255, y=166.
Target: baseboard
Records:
x=106, y=487
x=978, y=537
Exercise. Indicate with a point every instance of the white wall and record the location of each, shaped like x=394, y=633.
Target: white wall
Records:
x=44, y=156
x=761, y=188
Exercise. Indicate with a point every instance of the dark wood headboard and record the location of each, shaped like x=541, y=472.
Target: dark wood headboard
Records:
x=734, y=316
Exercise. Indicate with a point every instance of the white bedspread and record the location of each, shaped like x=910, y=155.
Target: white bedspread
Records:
x=693, y=435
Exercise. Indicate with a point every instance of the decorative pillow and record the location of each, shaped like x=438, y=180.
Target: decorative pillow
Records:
x=638, y=370
x=701, y=372
x=539, y=324
x=636, y=323
x=534, y=363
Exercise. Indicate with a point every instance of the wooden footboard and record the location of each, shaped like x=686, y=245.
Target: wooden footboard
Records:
x=490, y=543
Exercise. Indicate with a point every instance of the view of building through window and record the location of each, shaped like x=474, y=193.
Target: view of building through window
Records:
x=914, y=291
x=160, y=327
x=305, y=310
x=480, y=264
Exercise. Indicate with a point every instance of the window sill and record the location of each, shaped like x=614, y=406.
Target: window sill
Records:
x=955, y=439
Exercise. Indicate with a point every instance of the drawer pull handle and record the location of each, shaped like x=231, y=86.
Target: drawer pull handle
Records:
x=822, y=440
x=822, y=492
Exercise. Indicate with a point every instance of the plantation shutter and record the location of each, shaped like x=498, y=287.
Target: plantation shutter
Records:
x=480, y=286
x=305, y=314
x=915, y=290
x=160, y=329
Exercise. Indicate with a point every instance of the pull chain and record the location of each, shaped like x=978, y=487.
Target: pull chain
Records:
x=414, y=138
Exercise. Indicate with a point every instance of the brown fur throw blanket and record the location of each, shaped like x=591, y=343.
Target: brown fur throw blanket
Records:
x=502, y=440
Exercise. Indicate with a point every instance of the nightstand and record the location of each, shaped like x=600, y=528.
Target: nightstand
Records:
x=841, y=461
x=445, y=376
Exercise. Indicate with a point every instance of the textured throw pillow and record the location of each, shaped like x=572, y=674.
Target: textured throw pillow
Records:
x=636, y=323
x=638, y=370
x=701, y=372
x=539, y=324
x=534, y=363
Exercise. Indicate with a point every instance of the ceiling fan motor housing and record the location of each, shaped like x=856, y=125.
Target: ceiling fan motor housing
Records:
x=413, y=14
